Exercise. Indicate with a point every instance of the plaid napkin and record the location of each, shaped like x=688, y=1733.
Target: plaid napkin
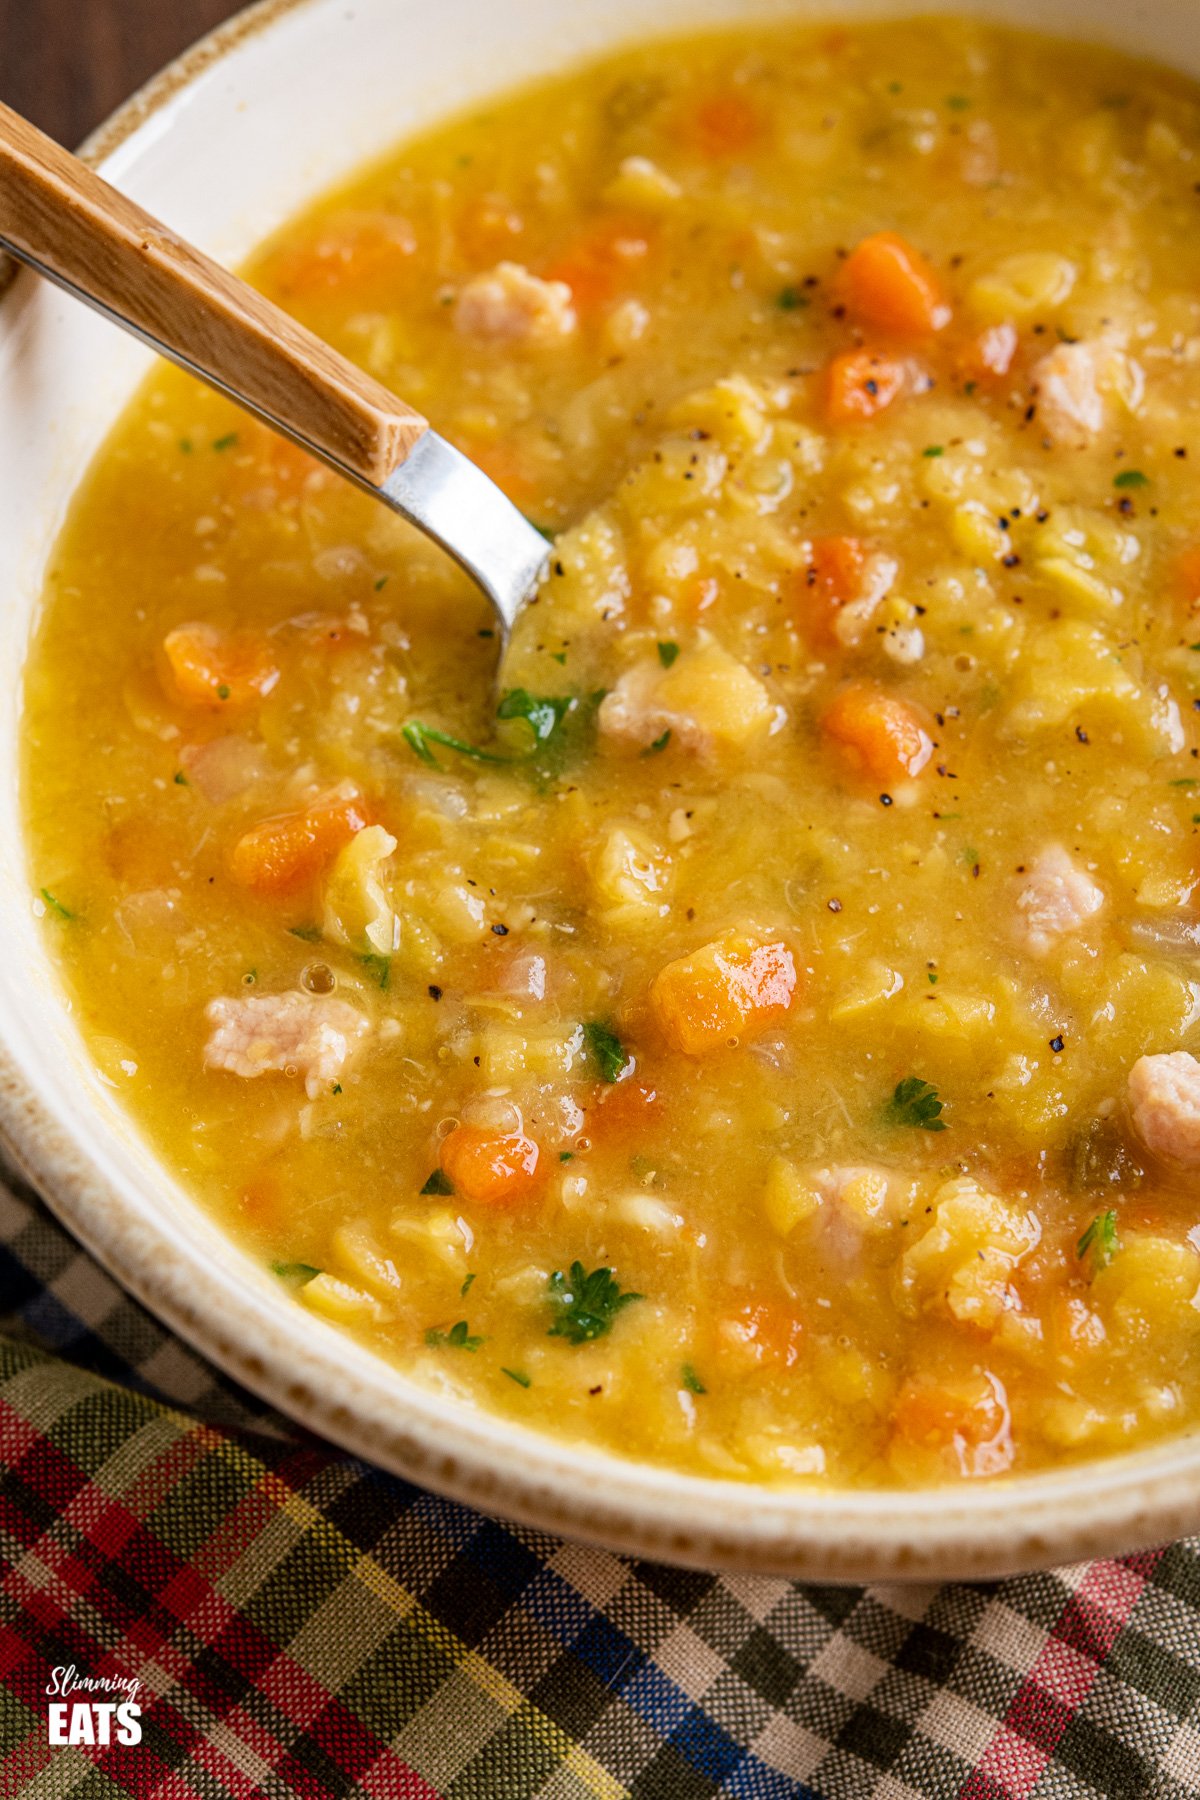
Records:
x=300, y=1624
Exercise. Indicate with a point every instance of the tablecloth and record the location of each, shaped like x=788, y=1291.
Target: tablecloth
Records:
x=297, y=1623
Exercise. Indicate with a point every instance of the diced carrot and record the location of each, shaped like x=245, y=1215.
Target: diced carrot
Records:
x=964, y=1425
x=355, y=254
x=723, y=993
x=756, y=1333
x=489, y=1167
x=622, y=1109
x=859, y=384
x=213, y=668
x=832, y=578
x=885, y=733
x=988, y=356
x=280, y=853
x=726, y=124
x=1187, y=576
x=887, y=284
x=601, y=263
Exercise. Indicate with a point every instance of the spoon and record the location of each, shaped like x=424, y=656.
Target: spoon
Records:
x=61, y=219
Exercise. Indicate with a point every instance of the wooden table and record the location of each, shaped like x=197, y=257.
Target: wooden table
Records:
x=67, y=63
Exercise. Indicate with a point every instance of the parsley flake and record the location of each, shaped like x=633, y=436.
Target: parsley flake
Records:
x=543, y=713
x=420, y=737
x=64, y=912
x=791, y=299
x=1100, y=1240
x=519, y=1376
x=465, y=1289
x=660, y=743
x=933, y=450
x=586, y=1305
x=1131, y=478
x=294, y=1271
x=308, y=934
x=691, y=1380
x=438, y=1183
x=607, y=1051
x=457, y=1338
x=379, y=968
x=227, y=442
x=915, y=1103
x=667, y=653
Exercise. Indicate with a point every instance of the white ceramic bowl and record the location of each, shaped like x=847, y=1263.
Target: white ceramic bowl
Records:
x=239, y=134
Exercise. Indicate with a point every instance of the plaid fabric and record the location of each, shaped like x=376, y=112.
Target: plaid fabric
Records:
x=303, y=1625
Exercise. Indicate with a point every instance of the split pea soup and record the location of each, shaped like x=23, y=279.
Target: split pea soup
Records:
x=763, y=1040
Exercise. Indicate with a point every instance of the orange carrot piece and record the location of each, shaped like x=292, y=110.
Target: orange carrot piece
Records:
x=214, y=668
x=886, y=734
x=861, y=383
x=833, y=577
x=347, y=255
x=622, y=1109
x=726, y=124
x=602, y=262
x=757, y=1333
x=886, y=283
x=962, y=1424
x=987, y=357
x=489, y=1167
x=280, y=853
x=723, y=993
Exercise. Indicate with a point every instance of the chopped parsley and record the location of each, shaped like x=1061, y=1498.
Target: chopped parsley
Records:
x=336, y=1088
x=439, y=1183
x=957, y=102
x=1131, y=478
x=420, y=737
x=606, y=1050
x=667, y=653
x=457, y=1338
x=933, y=450
x=915, y=1103
x=1100, y=1240
x=181, y=779
x=543, y=713
x=660, y=743
x=382, y=582
x=224, y=691
x=691, y=1380
x=64, y=912
x=465, y=1289
x=227, y=442
x=297, y=1271
x=566, y=1156
x=308, y=934
x=585, y=1305
x=519, y=1376
x=379, y=968
x=790, y=299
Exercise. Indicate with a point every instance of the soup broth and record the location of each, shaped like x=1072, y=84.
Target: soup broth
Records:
x=757, y=1036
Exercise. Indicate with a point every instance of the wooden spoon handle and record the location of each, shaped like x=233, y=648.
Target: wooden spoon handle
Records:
x=64, y=217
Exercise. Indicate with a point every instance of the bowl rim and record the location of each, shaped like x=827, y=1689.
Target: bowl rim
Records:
x=327, y=1382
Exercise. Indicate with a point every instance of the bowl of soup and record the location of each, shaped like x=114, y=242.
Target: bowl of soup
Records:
x=716, y=1075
